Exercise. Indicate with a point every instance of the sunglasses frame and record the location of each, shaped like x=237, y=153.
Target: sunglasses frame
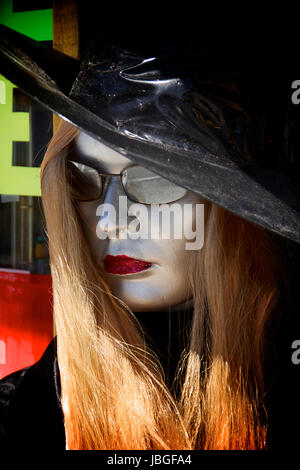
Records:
x=109, y=175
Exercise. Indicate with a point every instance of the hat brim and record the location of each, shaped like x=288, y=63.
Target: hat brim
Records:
x=254, y=196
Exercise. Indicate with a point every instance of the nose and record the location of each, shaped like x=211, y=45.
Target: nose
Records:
x=113, y=211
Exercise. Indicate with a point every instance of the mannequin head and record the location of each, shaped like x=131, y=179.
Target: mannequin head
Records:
x=163, y=284
x=105, y=363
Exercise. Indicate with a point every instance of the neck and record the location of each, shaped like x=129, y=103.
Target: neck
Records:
x=167, y=334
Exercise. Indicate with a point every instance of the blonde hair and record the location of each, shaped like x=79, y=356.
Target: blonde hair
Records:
x=113, y=390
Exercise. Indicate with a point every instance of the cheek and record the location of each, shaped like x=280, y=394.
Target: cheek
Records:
x=87, y=212
x=174, y=269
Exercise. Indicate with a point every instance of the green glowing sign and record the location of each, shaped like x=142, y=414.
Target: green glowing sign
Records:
x=37, y=24
x=14, y=126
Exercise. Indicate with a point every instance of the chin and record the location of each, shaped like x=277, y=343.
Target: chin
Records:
x=152, y=304
x=149, y=293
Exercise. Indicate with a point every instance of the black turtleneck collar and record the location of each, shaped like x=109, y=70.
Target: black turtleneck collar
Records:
x=167, y=335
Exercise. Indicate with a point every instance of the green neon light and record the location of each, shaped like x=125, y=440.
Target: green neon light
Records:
x=14, y=126
x=37, y=24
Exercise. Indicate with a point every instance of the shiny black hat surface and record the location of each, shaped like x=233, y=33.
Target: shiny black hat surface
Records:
x=203, y=117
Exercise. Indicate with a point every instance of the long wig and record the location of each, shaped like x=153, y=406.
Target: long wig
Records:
x=112, y=385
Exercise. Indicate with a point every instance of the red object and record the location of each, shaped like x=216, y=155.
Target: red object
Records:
x=26, y=321
x=122, y=264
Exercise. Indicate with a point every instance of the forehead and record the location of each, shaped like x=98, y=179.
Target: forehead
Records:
x=97, y=154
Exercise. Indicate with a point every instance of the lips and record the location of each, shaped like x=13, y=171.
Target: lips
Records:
x=122, y=264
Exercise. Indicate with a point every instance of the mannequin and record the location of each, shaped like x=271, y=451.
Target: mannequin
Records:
x=234, y=281
x=174, y=108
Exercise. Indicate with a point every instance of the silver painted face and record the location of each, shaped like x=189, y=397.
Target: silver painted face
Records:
x=161, y=286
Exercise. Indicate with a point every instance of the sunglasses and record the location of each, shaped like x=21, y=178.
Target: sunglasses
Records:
x=139, y=184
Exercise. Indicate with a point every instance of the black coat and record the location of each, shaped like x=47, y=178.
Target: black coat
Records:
x=30, y=412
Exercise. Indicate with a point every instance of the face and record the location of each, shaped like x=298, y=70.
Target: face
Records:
x=148, y=273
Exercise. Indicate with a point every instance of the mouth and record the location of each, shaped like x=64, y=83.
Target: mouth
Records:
x=122, y=264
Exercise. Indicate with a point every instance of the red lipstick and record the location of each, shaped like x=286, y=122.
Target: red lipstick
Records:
x=122, y=264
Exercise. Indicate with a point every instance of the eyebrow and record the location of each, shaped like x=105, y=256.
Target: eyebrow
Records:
x=96, y=163
x=97, y=159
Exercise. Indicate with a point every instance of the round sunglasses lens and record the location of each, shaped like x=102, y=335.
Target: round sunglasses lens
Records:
x=85, y=182
x=146, y=187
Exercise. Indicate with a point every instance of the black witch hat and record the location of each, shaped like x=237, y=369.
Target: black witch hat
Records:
x=218, y=121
